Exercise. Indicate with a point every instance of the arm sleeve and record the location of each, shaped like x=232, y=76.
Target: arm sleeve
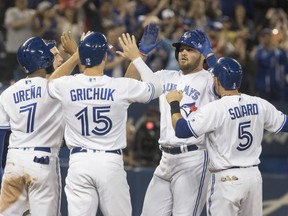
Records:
x=182, y=129
x=148, y=76
x=284, y=125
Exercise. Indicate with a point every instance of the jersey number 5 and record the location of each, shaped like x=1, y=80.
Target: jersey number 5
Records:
x=244, y=134
x=103, y=123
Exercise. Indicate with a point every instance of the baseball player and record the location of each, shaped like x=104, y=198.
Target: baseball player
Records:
x=95, y=111
x=233, y=128
x=32, y=173
x=179, y=183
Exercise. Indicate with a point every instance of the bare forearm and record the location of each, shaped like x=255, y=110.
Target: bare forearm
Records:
x=66, y=68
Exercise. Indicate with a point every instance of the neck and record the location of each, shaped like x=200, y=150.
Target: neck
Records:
x=230, y=93
x=94, y=71
x=39, y=73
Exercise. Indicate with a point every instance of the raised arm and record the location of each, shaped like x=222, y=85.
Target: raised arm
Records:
x=148, y=43
x=70, y=47
x=131, y=51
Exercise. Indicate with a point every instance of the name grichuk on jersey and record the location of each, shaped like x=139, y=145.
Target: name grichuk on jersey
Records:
x=95, y=108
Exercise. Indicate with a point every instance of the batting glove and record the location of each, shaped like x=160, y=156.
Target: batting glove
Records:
x=202, y=43
x=149, y=39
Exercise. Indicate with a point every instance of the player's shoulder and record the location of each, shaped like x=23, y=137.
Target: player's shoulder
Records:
x=167, y=73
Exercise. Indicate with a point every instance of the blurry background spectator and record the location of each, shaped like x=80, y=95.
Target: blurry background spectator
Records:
x=18, y=24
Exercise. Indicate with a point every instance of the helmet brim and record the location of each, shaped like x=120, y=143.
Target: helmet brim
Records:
x=178, y=44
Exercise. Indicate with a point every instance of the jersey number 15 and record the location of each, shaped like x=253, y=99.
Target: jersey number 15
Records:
x=102, y=122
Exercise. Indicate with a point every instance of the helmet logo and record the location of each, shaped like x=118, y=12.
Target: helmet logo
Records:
x=88, y=61
x=187, y=35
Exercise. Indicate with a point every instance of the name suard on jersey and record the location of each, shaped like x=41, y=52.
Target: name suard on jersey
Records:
x=243, y=110
x=92, y=94
x=27, y=94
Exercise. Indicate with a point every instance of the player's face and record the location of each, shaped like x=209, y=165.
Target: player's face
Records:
x=58, y=60
x=189, y=59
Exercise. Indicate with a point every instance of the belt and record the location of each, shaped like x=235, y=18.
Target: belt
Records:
x=45, y=149
x=84, y=150
x=240, y=167
x=179, y=149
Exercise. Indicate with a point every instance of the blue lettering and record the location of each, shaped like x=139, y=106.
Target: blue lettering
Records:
x=243, y=110
x=27, y=94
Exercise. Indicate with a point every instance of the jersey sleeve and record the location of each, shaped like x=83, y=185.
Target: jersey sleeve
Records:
x=139, y=91
x=205, y=120
x=274, y=120
x=53, y=88
x=4, y=118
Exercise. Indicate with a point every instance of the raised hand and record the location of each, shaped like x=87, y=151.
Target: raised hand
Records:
x=202, y=43
x=149, y=39
x=68, y=43
x=129, y=46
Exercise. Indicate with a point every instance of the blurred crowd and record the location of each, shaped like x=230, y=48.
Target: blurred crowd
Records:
x=255, y=32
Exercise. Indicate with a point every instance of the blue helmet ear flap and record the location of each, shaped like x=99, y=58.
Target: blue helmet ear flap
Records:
x=35, y=54
x=229, y=72
x=92, y=49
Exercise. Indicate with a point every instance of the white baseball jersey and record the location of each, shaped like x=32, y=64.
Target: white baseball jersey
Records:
x=32, y=169
x=31, y=114
x=95, y=108
x=197, y=91
x=234, y=128
x=179, y=183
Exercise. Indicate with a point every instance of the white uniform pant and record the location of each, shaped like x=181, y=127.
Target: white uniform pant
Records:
x=178, y=186
x=97, y=179
x=30, y=185
x=235, y=192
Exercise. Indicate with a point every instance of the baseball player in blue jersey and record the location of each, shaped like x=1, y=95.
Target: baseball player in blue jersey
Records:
x=233, y=127
x=179, y=184
x=95, y=112
x=32, y=174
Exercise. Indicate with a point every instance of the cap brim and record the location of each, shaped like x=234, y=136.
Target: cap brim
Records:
x=177, y=44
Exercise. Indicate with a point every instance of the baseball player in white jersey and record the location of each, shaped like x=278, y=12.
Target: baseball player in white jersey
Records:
x=32, y=173
x=179, y=184
x=234, y=128
x=95, y=111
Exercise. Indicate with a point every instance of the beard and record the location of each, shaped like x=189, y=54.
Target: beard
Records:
x=189, y=68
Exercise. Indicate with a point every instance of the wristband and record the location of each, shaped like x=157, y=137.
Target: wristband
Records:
x=175, y=107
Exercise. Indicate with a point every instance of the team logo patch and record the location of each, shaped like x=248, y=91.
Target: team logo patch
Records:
x=188, y=108
x=187, y=35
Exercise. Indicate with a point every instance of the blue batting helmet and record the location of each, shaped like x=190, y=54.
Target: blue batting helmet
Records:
x=35, y=54
x=229, y=72
x=187, y=38
x=92, y=49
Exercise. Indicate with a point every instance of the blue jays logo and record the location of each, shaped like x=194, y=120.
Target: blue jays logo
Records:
x=187, y=35
x=188, y=108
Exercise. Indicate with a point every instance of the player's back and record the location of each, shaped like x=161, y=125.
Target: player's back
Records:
x=235, y=126
x=33, y=117
x=95, y=108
